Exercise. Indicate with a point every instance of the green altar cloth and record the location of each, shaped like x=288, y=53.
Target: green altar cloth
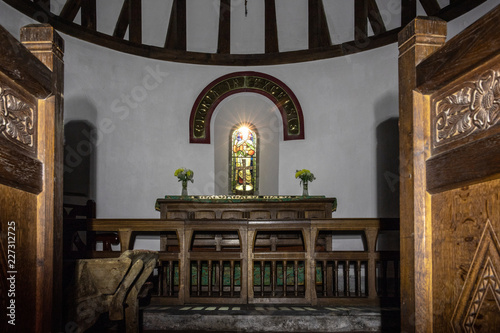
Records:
x=204, y=199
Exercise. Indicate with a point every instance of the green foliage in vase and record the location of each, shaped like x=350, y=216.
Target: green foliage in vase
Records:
x=305, y=176
x=184, y=174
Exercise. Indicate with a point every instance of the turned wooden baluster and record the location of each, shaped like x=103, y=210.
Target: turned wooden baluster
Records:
x=232, y=277
x=325, y=281
x=262, y=268
x=336, y=277
x=210, y=278
x=358, y=278
x=347, y=288
x=296, y=276
x=221, y=277
x=198, y=278
x=274, y=278
x=284, y=277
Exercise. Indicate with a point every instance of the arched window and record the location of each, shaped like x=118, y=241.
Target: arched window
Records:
x=244, y=160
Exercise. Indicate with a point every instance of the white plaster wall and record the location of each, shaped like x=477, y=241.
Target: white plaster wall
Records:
x=141, y=109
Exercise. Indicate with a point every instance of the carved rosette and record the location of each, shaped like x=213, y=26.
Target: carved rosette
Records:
x=17, y=119
x=475, y=107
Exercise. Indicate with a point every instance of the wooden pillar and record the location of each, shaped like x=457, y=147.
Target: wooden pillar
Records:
x=419, y=39
x=45, y=43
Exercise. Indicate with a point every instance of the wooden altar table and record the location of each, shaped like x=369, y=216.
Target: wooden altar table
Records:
x=272, y=207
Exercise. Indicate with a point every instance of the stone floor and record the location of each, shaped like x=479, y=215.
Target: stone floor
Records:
x=269, y=318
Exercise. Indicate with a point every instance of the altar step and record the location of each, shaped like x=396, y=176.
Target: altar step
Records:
x=269, y=318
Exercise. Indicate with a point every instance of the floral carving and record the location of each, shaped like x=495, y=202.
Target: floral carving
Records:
x=16, y=119
x=476, y=107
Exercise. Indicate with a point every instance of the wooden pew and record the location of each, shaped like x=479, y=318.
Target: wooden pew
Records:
x=110, y=285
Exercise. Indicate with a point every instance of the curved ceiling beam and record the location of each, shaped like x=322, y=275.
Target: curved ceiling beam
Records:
x=366, y=8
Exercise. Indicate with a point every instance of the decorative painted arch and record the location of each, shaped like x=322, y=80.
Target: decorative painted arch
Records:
x=278, y=92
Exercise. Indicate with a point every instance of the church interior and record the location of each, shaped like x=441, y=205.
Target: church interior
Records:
x=250, y=165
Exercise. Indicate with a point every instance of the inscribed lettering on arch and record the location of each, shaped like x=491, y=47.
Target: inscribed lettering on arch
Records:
x=278, y=92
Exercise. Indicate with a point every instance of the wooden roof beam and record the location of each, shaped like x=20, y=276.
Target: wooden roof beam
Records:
x=431, y=7
x=131, y=18
x=44, y=4
x=176, y=34
x=375, y=18
x=319, y=35
x=364, y=11
x=408, y=11
x=224, y=40
x=70, y=9
x=271, y=34
x=88, y=12
x=89, y=17
x=135, y=23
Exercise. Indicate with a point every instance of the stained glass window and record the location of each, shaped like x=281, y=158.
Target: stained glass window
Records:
x=243, y=160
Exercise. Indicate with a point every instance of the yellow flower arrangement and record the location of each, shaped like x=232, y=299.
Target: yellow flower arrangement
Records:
x=305, y=176
x=184, y=174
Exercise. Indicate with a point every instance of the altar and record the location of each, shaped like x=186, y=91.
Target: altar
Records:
x=233, y=249
x=225, y=207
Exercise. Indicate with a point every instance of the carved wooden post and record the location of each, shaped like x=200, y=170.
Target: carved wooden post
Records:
x=44, y=42
x=419, y=39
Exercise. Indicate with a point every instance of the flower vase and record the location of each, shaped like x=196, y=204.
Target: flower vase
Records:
x=184, y=188
x=305, y=189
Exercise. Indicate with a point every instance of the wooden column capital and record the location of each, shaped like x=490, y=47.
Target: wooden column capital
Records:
x=428, y=32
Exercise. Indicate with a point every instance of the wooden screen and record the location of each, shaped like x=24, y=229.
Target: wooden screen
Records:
x=450, y=176
x=31, y=179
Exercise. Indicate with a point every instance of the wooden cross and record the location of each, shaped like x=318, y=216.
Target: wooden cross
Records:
x=244, y=168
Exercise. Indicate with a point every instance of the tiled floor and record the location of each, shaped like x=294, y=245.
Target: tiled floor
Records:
x=269, y=318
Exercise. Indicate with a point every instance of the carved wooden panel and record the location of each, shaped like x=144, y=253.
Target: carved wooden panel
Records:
x=467, y=110
x=174, y=215
x=18, y=118
x=466, y=258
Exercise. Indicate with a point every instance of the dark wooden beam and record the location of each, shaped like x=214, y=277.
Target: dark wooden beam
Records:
x=176, y=34
x=319, y=35
x=26, y=176
x=44, y=4
x=479, y=43
x=360, y=20
x=89, y=14
x=70, y=9
x=431, y=7
x=30, y=9
x=457, y=8
x=22, y=67
x=364, y=11
x=271, y=34
x=135, y=23
x=408, y=11
x=224, y=40
x=464, y=165
x=130, y=17
x=123, y=21
x=375, y=18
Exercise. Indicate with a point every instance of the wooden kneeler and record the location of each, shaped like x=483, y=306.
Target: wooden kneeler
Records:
x=110, y=285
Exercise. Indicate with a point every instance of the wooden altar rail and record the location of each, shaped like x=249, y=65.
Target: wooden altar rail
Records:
x=293, y=262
